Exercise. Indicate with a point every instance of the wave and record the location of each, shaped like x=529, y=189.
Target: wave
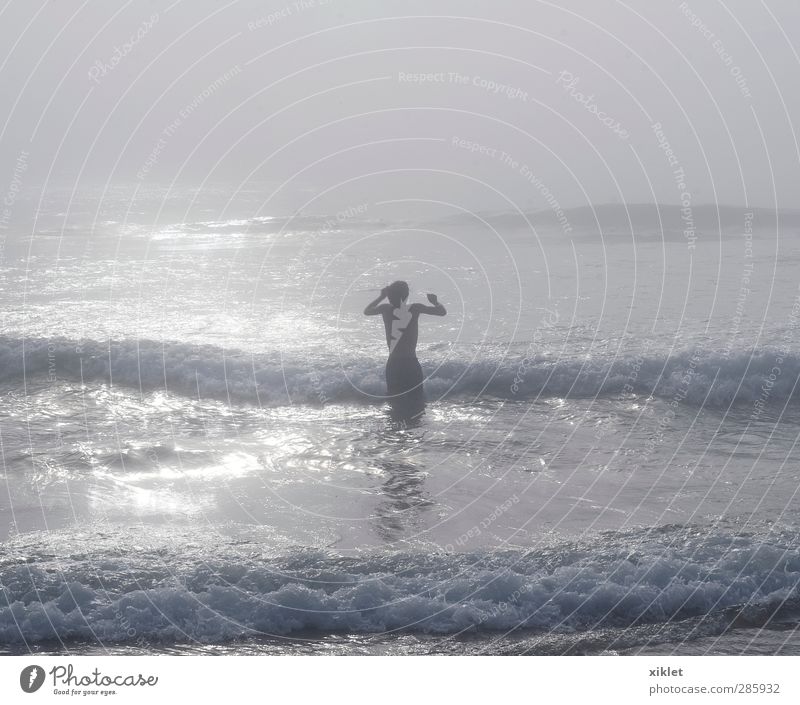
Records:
x=120, y=591
x=697, y=377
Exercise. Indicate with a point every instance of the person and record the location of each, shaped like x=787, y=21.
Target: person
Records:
x=401, y=322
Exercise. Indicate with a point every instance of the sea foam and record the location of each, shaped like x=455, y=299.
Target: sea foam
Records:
x=760, y=378
x=209, y=593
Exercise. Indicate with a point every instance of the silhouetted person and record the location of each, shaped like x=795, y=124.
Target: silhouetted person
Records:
x=403, y=371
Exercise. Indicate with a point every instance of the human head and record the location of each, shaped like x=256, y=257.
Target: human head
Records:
x=398, y=292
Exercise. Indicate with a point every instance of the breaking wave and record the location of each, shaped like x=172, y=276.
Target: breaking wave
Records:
x=121, y=591
x=690, y=377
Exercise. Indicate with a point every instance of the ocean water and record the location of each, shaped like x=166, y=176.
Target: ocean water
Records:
x=197, y=455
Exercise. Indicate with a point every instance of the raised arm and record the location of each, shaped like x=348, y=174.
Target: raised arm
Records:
x=436, y=310
x=373, y=308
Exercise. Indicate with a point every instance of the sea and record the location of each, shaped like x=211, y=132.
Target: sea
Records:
x=198, y=455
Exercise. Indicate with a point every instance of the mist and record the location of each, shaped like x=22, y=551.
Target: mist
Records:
x=322, y=106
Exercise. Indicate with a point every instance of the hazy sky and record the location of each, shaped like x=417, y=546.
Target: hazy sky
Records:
x=482, y=104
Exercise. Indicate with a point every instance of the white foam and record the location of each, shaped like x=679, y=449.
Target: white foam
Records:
x=276, y=379
x=115, y=594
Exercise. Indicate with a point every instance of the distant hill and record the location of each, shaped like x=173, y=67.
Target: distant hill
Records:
x=641, y=218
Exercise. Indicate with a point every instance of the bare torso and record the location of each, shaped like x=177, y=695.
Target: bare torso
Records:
x=406, y=345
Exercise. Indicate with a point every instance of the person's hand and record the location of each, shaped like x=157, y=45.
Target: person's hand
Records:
x=432, y=298
x=384, y=292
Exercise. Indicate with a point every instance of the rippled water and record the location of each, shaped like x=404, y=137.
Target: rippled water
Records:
x=197, y=453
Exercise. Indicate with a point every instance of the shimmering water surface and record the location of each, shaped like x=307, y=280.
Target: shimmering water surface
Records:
x=197, y=454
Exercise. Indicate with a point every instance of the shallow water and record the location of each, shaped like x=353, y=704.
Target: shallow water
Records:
x=198, y=456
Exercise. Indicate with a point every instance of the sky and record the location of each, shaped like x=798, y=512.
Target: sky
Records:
x=327, y=105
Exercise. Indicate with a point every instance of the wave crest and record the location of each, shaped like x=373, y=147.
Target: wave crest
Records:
x=691, y=377
x=170, y=594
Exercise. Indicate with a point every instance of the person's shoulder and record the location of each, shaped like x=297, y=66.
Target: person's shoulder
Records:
x=416, y=308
